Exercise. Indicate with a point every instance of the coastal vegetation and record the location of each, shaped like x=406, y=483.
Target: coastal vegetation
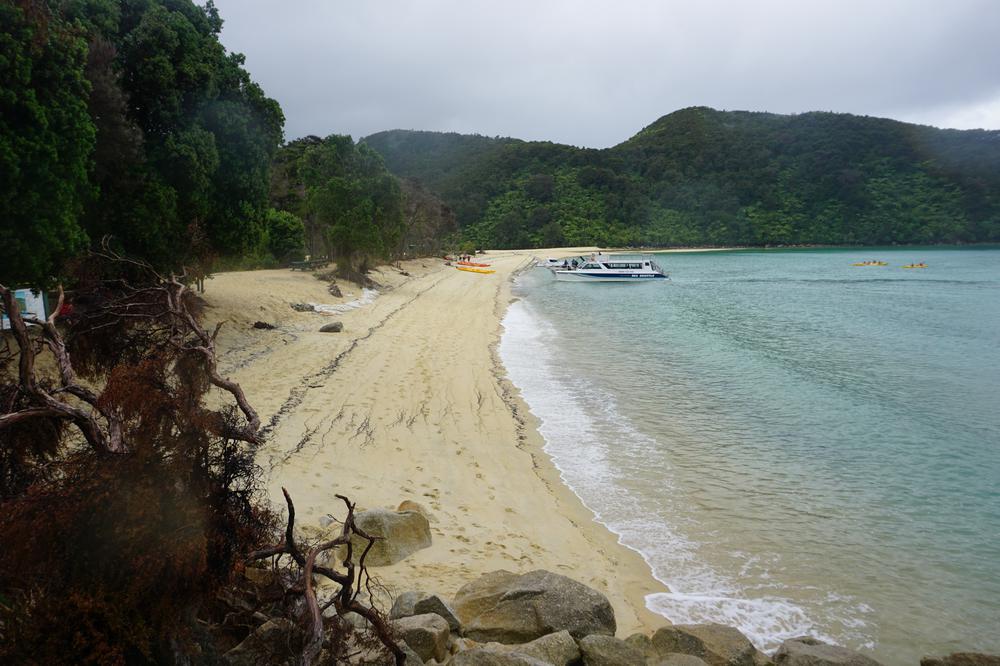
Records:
x=135, y=155
x=349, y=204
x=128, y=120
x=125, y=502
x=128, y=513
x=131, y=121
x=704, y=177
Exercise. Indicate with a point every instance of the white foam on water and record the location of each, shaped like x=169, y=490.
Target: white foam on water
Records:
x=594, y=447
x=367, y=297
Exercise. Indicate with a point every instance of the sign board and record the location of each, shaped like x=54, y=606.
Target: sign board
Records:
x=29, y=304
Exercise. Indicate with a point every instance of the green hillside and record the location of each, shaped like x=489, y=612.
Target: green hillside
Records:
x=700, y=176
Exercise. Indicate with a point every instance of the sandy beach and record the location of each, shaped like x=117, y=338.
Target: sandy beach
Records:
x=410, y=402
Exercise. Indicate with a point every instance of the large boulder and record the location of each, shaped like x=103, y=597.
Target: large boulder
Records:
x=332, y=327
x=678, y=659
x=507, y=608
x=716, y=644
x=402, y=532
x=600, y=650
x=962, y=659
x=426, y=634
x=274, y=642
x=643, y=644
x=808, y=651
x=558, y=649
x=368, y=655
x=418, y=603
x=410, y=505
x=483, y=657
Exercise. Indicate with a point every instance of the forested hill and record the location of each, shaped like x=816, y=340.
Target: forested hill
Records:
x=700, y=176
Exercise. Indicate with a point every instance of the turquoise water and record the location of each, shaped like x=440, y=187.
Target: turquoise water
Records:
x=795, y=445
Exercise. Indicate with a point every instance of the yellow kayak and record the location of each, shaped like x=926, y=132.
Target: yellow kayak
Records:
x=915, y=266
x=470, y=269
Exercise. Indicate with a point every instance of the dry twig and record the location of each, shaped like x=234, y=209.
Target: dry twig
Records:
x=161, y=307
x=346, y=598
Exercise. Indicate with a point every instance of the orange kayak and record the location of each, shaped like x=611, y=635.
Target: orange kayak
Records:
x=472, y=263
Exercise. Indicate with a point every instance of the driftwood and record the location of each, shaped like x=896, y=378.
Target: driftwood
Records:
x=351, y=582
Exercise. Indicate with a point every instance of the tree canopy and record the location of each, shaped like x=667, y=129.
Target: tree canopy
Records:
x=351, y=205
x=128, y=119
x=700, y=176
x=46, y=141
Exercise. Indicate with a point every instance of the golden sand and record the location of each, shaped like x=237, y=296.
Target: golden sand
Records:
x=410, y=402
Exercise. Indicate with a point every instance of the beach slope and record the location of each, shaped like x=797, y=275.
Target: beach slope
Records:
x=409, y=402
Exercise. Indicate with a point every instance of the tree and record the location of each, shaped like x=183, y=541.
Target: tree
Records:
x=209, y=131
x=298, y=581
x=427, y=219
x=127, y=506
x=127, y=119
x=540, y=187
x=285, y=235
x=552, y=235
x=126, y=502
x=510, y=231
x=700, y=176
x=46, y=138
x=346, y=198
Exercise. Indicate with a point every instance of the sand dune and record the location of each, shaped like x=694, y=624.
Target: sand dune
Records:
x=410, y=403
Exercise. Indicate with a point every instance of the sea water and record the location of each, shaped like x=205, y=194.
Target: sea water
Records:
x=796, y=446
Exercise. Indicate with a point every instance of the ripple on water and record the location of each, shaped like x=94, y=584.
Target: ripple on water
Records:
x=794, y=449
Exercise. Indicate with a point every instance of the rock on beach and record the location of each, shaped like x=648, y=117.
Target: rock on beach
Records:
x=508, y=608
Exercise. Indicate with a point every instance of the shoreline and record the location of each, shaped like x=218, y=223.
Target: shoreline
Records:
x=411, y=402
x=531, y=439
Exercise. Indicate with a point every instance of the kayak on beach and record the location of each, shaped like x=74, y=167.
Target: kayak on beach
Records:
x=473, y=269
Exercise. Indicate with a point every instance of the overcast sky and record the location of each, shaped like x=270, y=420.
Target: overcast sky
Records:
x=593, y=73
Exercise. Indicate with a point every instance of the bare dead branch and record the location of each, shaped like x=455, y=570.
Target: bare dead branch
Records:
x=103, y=440
x=175, y=298
x=345, y=599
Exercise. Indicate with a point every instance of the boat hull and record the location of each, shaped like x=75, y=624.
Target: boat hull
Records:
x=582, y=276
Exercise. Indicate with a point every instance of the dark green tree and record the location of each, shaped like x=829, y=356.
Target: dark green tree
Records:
x=286, y=235
x=351, y=205
x=184, y=138
x=46, y=140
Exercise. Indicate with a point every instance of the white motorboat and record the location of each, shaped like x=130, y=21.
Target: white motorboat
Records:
x=552, y=263
x=608, y=268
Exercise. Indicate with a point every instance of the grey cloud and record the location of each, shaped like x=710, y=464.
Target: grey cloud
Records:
x=593, y=73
